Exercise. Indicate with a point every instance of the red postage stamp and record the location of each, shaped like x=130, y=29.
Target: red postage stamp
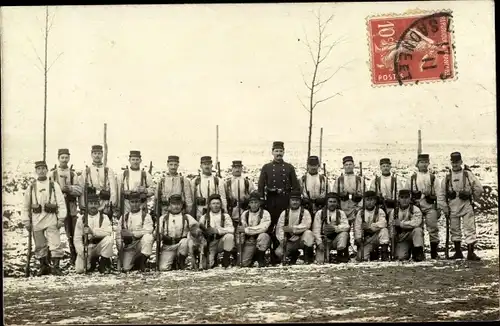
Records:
x=411, y=48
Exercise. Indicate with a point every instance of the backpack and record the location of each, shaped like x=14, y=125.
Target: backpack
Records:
x=321, y=182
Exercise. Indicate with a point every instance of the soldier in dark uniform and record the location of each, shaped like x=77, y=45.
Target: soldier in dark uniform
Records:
x=277, y=179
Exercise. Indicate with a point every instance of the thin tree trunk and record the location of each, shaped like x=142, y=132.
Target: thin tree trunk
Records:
x=45, y=85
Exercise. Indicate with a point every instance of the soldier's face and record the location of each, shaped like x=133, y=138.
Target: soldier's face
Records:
x=135, y=162
x=313, y=169
x=96, y=156
x=332, y=204
x=41, y=171
x=423, y=166
x=172, y=167
x=135, y=205
x=254, y=205
x=215, y=206
x=206, y=167
x=294, y=203
x=63, y=159
x=237, y=170
x=278, y=153
x=404, y=201
x=370, y=202
x=93, y=207
x=175, y=207
x=349, y=167
x=456, y=166
x=385, y=168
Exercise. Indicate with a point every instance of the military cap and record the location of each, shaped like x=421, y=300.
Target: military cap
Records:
x=206, y=159
x=96, y=148
x=134, y=195
x=213, y=197
x=278, y=144
x=347, y=159
x=423, y=157
x=455, y=157
x=295, y=194
x=237, y=163
x=173, y=158
x=254, y=196
x=332, y=195
x=370, y=193
x=175, y=198
x=62, y=151
x=40, y=163
x=404, y=193
x=385, y=161
x=313, y=160
x=93, y=197
x=135, y=154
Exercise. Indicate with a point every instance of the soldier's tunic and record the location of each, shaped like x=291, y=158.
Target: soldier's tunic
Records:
x=406, y=238
x=224, y=239
x=231, y=185
x=313, y=186
x=422, y=182
x=379, y=237
x=461, y=209
x=141, y=226
x=338, y=241
x=255, y=237
x=388, y=187
x=176, y=227
x=97, y=178
x=302, y=236
x=277, y=175
x=100, y=243
x=44, y=225
x=204, y=188
x=131, y=182
x=350, y=184
x=177, y=185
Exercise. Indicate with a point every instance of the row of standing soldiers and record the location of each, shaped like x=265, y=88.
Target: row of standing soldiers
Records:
x=208, y=215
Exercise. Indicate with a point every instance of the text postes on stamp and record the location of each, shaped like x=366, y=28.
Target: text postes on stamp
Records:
x=411, y=49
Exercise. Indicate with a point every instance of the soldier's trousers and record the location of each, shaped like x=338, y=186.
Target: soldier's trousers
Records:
x=142, y=246
x=405, y=240
x=104, y=248
x=306, y=240
x=379, y=238
x=275, y=204
x=225, y=243
x=168, y=253
x=69, y=226
x=260, y=242
x=469, y=226
x=430, y=218
x=48, y=239
x=339, y=243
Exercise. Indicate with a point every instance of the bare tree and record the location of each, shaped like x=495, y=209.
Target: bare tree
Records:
x=319, y=54
x=45, y=70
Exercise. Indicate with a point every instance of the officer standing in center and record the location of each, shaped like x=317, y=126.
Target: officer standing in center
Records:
x=277, y=179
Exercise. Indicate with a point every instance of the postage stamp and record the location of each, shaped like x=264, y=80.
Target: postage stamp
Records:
x=411, y=48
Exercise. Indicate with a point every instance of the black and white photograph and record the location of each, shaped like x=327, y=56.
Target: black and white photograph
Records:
x=249, y=163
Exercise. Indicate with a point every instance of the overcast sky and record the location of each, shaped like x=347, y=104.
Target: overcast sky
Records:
x=171, y=73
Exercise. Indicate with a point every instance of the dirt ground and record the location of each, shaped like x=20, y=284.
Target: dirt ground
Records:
x=390, y=291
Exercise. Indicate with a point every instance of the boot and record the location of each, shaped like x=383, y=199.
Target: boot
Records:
x=104, y=265
x=434, y=250
x=141, y=262
x=44, y=267
x=375, y=254
x=56, y=270
x=226, y=259
x=274, y=258
x=344, y=255
x=182, y=262
x=470, y=253
x=261, y=258
x=418, y=254
x=384, y=252
x=309, y=255
x=458, y=251
x=93, y=264
x=294, y=256
x=234, y=256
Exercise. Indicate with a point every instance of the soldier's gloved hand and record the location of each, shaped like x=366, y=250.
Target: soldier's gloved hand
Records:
x=87, y=230
x=59, y=224
x=211, y=231
x=329, y=229
x=66, y=189
x=464, y=195
x=365, y=226
x=240, y=229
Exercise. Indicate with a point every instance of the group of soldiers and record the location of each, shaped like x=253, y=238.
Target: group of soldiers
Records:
x=207, y=216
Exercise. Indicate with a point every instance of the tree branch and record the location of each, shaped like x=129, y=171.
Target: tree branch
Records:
x=330, y=48
x=304, y=80
x=334, y=73
x=325, y=99
x=38, y=57
x=310, y=49
x=48, y=69
x=303, y=105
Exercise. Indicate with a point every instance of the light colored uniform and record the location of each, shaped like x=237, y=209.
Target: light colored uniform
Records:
x=313, y=186
x=132, y=182
x=429, y=211
x=226, y=240
x=172, y=185
x=387, y=188
x=96, y=178
x=351, y=186
x=302, y=236
x=341, y=228
x=205, y=189
x=255, y=237
x=143, y=237
x=44, y=225
x=407, y=238
x=461, y=209
x=232, y=190
x=63, y=178
x=177, y=228
x=381, y=235
x=103, y=248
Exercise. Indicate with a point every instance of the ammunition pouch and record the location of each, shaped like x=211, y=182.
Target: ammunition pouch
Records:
x=50, y=208
x=95, y=241
x=37, y=209
x=451, y=195
x=331, y=235
x=416, y=195
x=91, y=190
x=71, y=198
x=104, y=195
x=398, y=229
x=464, y=195
x=356, y=198
x=390, y=203
x=344, y=197
x=320, y=202
x=430, y=199
x=143, y=196
x=368, y=233
x=165, y=202
x=201, y=201
x=127, y=240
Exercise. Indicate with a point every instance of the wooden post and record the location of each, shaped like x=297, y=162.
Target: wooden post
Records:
x=419, y=149
x=45, y=71
x=105, y=144
x=216, y=145
x=321, y=144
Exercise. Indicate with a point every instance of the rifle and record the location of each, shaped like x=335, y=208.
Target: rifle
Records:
x=362, y=246
x=27, y=269
x=120, y=245
x=158, y=209
x=150, y=167
x=195, y=198
x=393, y=238
x=447, y=217
x=85, y=224
x=327, y=244
x=238, y=224
x=218, y=170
